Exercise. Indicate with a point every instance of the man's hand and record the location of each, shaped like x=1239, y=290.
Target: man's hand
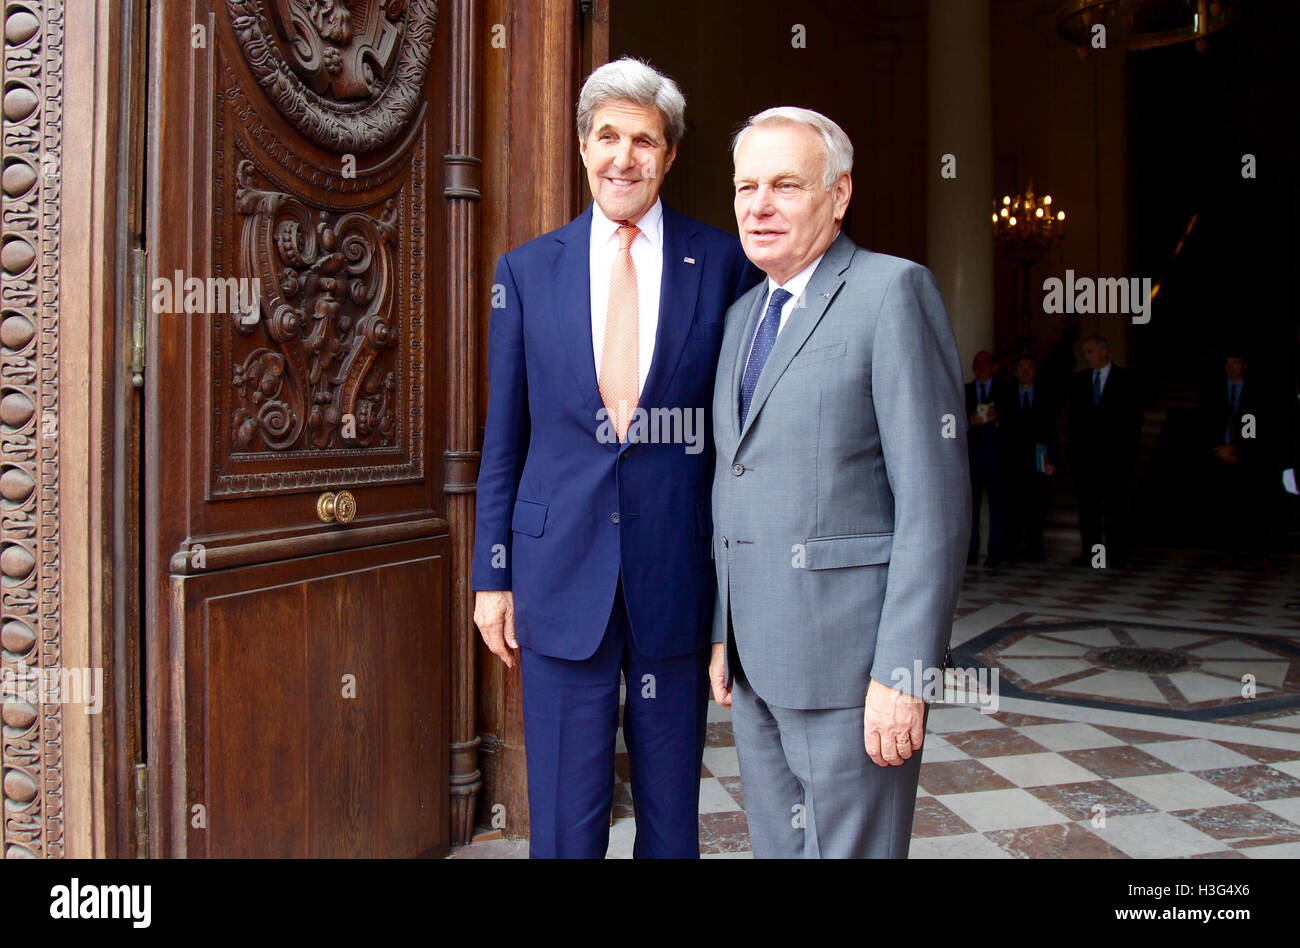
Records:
x=893, y=725
x=1048, y=468
x=494, y=614
x=1226, y=453
x=718, y=676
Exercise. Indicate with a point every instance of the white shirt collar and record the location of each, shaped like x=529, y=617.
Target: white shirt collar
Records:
x=651, y=225
x=797, y=283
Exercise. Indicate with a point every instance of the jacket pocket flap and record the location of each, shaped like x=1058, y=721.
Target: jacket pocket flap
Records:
x=820, y=354
x=529, y=518
x=865, y=549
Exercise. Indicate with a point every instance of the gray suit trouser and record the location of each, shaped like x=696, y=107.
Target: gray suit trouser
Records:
x=810, y=789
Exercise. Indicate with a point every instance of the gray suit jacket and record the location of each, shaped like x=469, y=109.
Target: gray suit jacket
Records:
x=841, y=510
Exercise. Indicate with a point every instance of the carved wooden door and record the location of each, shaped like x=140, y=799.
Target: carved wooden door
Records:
x=297, y=586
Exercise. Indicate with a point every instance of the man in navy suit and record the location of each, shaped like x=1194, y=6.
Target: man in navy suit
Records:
x=1242, y=482
x=1104, y=431
x=988, y=402
x=591, y=550
x=1031, y=429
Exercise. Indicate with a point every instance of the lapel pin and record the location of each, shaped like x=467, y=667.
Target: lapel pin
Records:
x=688, y=260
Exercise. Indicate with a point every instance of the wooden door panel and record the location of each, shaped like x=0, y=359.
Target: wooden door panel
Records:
x=245, y=720
x=341, y=638
x=297, y=344
x=312, y=732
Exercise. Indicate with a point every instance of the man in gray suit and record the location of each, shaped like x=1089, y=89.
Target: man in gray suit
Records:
x=841, y=506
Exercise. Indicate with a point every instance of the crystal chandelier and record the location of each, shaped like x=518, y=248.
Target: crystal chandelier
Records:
x=1027, y=225
x=1029, y=228
x=1143, y=24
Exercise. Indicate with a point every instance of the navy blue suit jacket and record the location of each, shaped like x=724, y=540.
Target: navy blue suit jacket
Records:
x=560, y=513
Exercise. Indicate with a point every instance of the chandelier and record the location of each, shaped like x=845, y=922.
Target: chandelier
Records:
x=1029, y=228
x=1144, y=24
x=1027, y=225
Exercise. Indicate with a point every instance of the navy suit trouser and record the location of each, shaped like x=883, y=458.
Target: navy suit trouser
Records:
x=570, y=727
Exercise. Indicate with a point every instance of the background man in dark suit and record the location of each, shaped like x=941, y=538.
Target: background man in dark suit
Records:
x=1031, y=431
x=988, y=401
x=1237, y=430
x=591, y=547
x=1103, y=431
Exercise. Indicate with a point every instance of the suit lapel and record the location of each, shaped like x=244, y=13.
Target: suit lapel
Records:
x=572, y=281
x=825, y=283
x=678, y=291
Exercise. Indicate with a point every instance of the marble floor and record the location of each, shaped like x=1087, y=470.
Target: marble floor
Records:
x=1149, y=712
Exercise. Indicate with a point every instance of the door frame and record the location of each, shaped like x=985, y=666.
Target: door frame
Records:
x=70, y=589
x=530, y=89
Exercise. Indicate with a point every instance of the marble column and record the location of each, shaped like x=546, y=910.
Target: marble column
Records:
x=959, y=241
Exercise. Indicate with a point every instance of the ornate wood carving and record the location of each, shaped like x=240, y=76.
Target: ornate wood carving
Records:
x=30, y=214
x=327, y=284
x=329, y=366
x=350, y=74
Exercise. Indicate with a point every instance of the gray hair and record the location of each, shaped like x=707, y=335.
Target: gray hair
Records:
x=839, y=150
x=632, y=80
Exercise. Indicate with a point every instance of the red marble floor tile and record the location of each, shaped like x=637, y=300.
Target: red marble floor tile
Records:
x=724, y=832
x=733, y=786
x=1057, y=841
x=622, y=801
x=1076, y=800
x=1220, y=854
x=1242, y=824
x=1012, y=719
x=960, y=776
x=1254, y=783
x=932, y=818
x=997, y=742
x=1111, y=762
x=719, y=734
x=1137, y=737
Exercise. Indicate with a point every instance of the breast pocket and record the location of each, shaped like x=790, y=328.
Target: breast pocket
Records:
x=819, y=354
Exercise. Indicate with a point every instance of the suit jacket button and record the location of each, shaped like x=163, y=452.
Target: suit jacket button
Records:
x=737, y=469
x=613, y=518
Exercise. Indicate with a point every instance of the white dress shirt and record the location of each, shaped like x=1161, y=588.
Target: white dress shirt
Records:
x=648, y=259
x=795, y=287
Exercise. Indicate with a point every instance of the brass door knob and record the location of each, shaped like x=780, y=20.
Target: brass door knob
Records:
x=341, y=506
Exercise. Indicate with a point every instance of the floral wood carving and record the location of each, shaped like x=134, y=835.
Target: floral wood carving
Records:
x=327, y=288
x=349, y=74
x=31, y=312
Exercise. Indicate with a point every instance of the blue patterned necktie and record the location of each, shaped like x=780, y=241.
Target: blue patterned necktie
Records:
x=1096, y=386
x=1234, y=393
x=764, y=340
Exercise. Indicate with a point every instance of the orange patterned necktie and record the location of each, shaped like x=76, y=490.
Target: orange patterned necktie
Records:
x=620, y=373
